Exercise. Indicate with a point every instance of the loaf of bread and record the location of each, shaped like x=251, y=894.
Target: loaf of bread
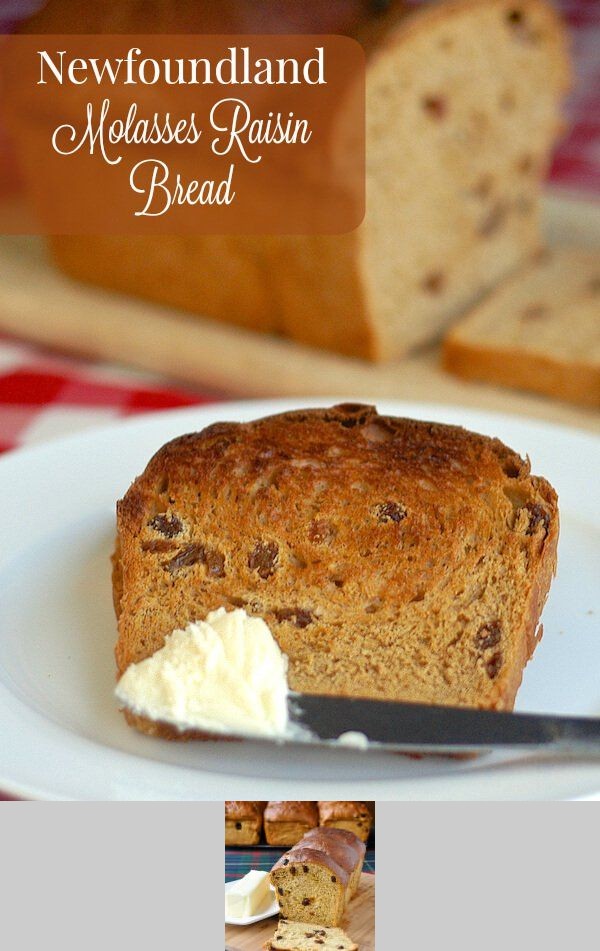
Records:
x=344, y=846
x=297, y=936
x=539, y=331
x=308, y=877
x=243, y=822
x=310, y=886
x=463, y=107
x=354, y=816
x=391, y=558
x=286, y=822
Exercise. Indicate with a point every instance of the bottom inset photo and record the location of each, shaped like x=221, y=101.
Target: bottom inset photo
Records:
x=299, y=876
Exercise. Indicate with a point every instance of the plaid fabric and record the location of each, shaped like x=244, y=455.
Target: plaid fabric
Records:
x=238, y=862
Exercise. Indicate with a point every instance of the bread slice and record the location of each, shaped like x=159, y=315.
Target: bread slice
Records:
x=463, y=109
x=391, y=558
x=297, y=936
x=539, y=331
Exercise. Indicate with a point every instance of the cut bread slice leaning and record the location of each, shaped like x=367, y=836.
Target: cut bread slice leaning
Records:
x=539, y=331
x=391, y=558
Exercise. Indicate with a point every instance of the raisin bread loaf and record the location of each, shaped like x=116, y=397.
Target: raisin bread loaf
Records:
x=539, y=331
x=344, y=846
x=243, y=822
x=463, y=108
x=391, y=558
x=286, y=822
x=353, y=816
x=296, y=936
x=310, y=886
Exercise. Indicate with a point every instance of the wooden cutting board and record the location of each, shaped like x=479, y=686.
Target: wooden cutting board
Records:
x=40, y=304
x=358, y=923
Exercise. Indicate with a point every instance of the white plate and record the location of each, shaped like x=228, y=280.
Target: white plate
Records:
x=62, y=736
x=268, y=911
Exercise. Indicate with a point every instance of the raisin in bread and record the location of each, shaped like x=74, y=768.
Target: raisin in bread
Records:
x=539, y=331
x=286, y=822
x=463, y=109
x=310, y=886
x=344, y=846
x=353, y=816
x=391, y=558
x=243, y=822
x=296, y=936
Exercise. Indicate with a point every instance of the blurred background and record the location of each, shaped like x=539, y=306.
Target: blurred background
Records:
x=96, y=329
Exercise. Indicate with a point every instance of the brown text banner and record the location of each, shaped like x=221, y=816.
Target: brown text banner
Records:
x=186, y=134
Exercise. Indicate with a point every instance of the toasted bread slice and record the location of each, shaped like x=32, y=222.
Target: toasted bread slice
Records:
x=539, y=331
x=391, y=558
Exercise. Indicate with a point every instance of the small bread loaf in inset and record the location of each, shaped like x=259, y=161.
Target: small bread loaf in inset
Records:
x=286, y=822
x=243, y=822
x=353, y=816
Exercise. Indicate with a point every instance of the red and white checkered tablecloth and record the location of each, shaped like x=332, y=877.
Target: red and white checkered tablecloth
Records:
x=43, y=396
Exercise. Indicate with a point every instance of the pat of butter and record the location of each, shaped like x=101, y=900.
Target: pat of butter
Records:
x=246, y=897
x=225, y=674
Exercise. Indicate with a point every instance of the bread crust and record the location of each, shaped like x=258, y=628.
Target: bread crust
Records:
x=331, y=833
x=343, y=852
x=348, y=532
x=342, y=809
x=244, y=809
x=570, y=380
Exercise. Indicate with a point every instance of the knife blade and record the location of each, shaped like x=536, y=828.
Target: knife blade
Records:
x=415, y=728
x=422, y=728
